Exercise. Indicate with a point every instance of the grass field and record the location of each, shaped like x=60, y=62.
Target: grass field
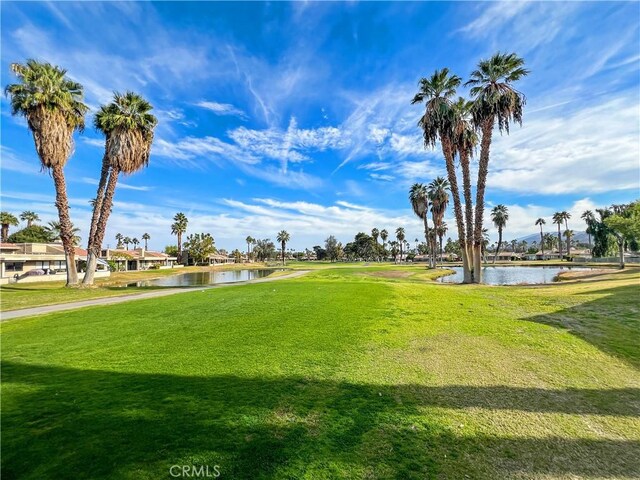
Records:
x=24, y=295
x=348, y=372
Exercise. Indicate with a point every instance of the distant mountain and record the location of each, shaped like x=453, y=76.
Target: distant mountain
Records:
x=580, y=237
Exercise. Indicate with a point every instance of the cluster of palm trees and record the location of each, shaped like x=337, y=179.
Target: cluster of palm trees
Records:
x=8, y=220
x=558, y=218
x=50, y=233
x=126, y=241
x=53, y=107
x=459, y=126
x=433, y=197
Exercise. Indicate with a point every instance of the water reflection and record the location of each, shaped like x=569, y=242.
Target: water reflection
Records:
x=512, y=275
x=204, y=278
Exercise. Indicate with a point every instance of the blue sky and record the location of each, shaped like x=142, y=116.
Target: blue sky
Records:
x=298, y=115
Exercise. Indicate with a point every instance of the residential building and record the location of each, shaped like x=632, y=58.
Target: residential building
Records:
x=39, y=262
x=138, y=259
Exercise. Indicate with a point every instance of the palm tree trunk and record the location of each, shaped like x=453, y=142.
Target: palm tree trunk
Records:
x=499, y=244
x=5, y=231
x=101, y=227
x=66, y=228
x=468, y=209
x=97, y=206
x=483, y=170
x=447, y=150
x=559, y=242
x=566, y=226
x=440, y=249
x=283, y=247
x=542, y=242
x=425, y=220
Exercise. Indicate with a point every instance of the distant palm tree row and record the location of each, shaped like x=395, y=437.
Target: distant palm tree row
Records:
x=125, y=241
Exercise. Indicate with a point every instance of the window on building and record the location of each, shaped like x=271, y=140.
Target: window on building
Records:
x=13, y=266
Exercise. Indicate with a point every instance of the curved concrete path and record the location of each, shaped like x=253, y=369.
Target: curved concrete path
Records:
x=29, y=312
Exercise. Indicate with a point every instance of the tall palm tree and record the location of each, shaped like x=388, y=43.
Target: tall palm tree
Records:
x=383, y=236
x=400, y=236
x=127, y=125
x=589, y=218
x=249, y=241
x=558, y=219
x=541, y=222
x=465, y=142
x=119, y=238
x=494, y=100
x=135, y=242
x=7, y=220
x=375, y=233
x=179, y=227
x=566, y=216
x=146, y=237
x=127, y=241
x=283, y=237
x=53, y=107
x=499, y=216
x=438, y=123
x=29, y=217
x=441, y=230
x=438, y=191
x=419, y=198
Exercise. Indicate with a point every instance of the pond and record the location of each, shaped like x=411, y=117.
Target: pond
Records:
x=193, y=279
x=512, y=275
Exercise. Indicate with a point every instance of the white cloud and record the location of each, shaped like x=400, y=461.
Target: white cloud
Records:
x=189, y=149
x=222, y=109
x=594, y=149
x=291, y=145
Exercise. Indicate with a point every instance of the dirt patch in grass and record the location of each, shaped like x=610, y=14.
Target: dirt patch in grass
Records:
x=586, y=274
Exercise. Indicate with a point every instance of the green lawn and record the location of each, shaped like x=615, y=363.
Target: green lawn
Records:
x=346, y=372
x=24, y=295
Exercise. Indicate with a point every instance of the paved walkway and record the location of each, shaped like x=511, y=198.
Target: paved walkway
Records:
x=29, y=312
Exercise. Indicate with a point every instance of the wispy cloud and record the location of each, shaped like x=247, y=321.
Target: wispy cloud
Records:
x=10, y=160
x=555, y=156
x=121, y=185
x=222, y=109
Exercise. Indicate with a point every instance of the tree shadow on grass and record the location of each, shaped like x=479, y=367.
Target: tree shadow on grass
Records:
x=68, y=423
x=611, y=323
